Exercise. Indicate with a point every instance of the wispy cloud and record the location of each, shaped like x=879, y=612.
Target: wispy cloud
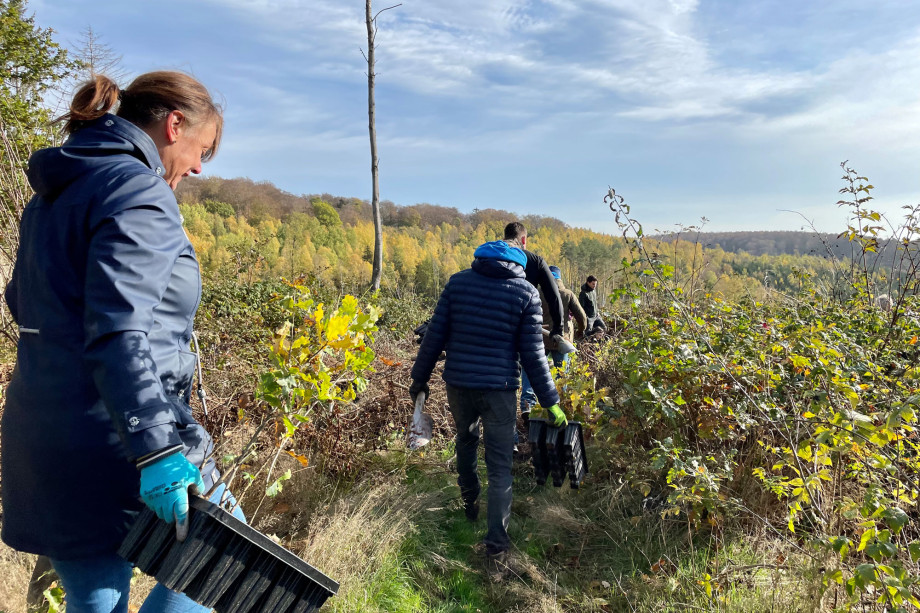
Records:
x=759, y=98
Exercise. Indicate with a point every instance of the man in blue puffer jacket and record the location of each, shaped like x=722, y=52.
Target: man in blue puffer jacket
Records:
x=489, y=321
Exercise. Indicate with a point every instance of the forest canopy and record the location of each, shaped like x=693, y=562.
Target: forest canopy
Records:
x=256, y=230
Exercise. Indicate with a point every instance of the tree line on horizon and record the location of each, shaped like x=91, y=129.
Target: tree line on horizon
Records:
x=769, y=242
x=254, y=230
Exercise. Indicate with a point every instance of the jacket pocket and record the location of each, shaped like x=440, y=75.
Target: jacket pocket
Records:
x=183, y=413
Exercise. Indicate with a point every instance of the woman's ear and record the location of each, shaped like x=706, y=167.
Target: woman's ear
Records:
x=174, y=123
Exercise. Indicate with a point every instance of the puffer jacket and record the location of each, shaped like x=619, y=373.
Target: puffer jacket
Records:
x=105, y=289
x=488, y=319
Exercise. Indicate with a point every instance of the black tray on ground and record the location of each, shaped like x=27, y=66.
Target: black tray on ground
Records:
x=225, y=564
x=557, y=452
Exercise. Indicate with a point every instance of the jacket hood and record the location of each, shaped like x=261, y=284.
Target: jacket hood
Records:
x=499, y=269
x=560, y=284
x=500, y=250
x=52, y=170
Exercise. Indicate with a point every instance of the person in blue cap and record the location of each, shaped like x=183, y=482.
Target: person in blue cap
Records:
x=489, y=320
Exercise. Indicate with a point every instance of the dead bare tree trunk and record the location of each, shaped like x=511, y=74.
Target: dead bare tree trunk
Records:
x=371, y=21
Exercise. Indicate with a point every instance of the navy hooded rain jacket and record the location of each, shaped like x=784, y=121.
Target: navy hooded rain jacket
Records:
x=105, y=289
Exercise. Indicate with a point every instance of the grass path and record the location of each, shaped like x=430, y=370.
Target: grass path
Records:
x=593, y=549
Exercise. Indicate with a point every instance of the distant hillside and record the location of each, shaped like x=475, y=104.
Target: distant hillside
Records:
x=261, y=200
x=768, y=242
x=249, y=230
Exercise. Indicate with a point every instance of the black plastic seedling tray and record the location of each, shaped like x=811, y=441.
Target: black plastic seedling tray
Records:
x=553, y=441
x=225, y=564
x=557, y=452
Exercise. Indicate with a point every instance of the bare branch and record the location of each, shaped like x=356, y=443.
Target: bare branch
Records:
x=386, y=9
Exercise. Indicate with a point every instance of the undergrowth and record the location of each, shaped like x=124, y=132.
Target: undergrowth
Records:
x=757, y=455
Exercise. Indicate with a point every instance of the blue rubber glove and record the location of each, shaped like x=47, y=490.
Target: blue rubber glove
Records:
x=557, y=416
x=164, y=488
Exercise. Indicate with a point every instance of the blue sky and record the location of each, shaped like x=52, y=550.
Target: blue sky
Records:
x=728, y=109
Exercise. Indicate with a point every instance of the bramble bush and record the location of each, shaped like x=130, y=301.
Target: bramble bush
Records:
x=812, y=397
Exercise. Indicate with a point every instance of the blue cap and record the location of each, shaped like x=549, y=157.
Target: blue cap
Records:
x=500, y=250
x=556, y=272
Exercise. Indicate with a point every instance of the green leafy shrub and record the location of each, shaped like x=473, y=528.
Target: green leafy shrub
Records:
x=814, y=397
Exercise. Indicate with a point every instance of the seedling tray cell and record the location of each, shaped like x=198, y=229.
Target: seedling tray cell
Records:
x=536, y=431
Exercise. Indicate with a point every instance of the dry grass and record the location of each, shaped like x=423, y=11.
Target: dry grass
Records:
x=361, y=536
x=15, y=572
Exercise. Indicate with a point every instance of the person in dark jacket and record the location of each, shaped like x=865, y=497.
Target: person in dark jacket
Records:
x=537, y=272
x=104, y=290
x=587, y=298
x=539, y=275
x=488, y=319
x=551, y=345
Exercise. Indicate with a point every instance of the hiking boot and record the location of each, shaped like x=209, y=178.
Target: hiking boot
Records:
x=497, y=565
x=471, y=509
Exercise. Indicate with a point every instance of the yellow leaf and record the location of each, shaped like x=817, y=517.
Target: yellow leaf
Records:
x=337, y=327
x=343, y=343
x=304, y=460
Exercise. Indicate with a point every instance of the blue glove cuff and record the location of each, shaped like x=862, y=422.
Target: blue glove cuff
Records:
x=156, y=456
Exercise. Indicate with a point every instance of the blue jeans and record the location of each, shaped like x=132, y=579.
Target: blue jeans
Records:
x=528, y=397
x=560, y=360
x=495, y=410
x=101, y=584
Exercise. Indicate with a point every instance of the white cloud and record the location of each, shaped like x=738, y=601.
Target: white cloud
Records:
x=494, y=83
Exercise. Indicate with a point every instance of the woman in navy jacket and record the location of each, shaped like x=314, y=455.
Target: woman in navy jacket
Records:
x=104, y=290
